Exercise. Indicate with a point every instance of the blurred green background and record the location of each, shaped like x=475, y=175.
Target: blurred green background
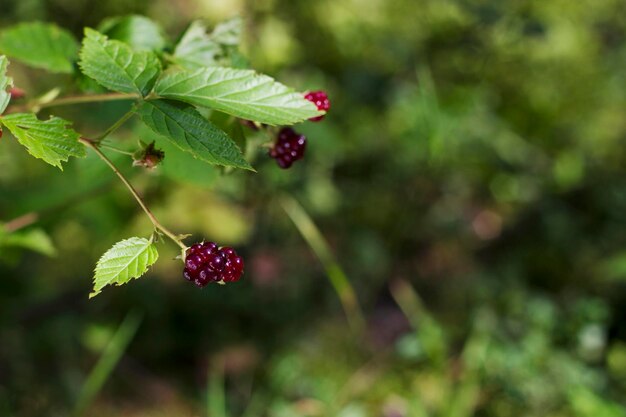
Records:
x=469, y=180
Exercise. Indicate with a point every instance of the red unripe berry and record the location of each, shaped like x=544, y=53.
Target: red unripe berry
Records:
x=321, y=101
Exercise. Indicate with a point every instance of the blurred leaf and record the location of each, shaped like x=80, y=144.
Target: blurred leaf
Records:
x=106, y=364
x=40, y=45
x=587, y=404
x=141, y=33
x=192, y=133
x=34, y=239
x=127, y=259
x=241, y=93
x=51, y=140
x=228, y=32
x=198, y=49
x=116, y=66
x=5, y=82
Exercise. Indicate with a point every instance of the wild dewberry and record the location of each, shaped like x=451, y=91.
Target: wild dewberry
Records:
x=289, y=147
x=321, y=101
x=206, y=263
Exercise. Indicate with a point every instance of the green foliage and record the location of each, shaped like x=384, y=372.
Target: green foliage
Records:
x=51, y=140
x=141, y=33
x=40, y=45
x=190, y=132
x=116, y=66
x=241, y=93
x=127, y=259
x=5, y=82
x=33, y=239
x=198, y=49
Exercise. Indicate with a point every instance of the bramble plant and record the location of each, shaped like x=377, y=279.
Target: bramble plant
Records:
x=129, y=58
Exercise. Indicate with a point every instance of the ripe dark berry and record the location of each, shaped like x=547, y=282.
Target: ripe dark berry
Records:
x=289, y=147
x=321, y=101
x=206, y=263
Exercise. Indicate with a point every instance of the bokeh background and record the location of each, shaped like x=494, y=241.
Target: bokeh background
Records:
x=469, y=181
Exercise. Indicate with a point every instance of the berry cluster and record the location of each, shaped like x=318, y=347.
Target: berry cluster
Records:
x=289, y=147
x=205, y=263
x=320, y=99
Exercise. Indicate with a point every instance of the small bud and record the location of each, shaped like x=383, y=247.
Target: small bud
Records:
x=148, y=156
x=17, y=93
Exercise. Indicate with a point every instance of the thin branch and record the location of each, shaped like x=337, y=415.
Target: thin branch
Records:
x=21, y=222
x=66, y=101
x=94, y=146
x=117, y=124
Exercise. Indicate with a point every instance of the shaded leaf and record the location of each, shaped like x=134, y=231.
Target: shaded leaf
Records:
x=190, y=132
x=141, y=33
x=241, y=93
x=40, y=45
x=116, y=66
x=51, y=140
x=127, y=259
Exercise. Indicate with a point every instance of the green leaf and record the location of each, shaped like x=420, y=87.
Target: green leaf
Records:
x=40, y=45
x=51, y=140
x=5, y=82
x=127, y=259
x=189, y=131
x=116, y=66
x=229, y=32
x=241, y=93
x=141, y=33
x=198, y=49
x=34, y=239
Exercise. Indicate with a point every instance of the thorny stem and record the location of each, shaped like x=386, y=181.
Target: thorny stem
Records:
x=95, y=147
x=65, y=101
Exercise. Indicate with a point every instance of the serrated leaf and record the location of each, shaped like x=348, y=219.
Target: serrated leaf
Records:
x=127, y=259
x=5, y=82
x=199, y=49
x=190, y=132
x=116, y=66
x=241, y=93
x=141, y=33
x=40, y=45
x=51, y=140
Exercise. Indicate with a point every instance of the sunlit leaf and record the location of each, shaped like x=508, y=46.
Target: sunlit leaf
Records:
x=241, y=93
x=127, y=259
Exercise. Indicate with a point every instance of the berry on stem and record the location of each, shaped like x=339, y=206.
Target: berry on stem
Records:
x=206, y=263
x=289, y=147
x=321, y=101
